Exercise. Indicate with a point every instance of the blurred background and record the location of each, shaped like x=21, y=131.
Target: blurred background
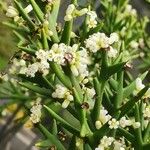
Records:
x=25, y=139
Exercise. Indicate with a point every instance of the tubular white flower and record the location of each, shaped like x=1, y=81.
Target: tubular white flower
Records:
x=12, y=12
x=28, y=9
x=113, y=124
x=136, y=124
x=103, y=118
x=91, y=22
x=62, y=92
x=82, y=12
x=124, y=122
x=139, y=86
x=69, y=12
x=98, y=124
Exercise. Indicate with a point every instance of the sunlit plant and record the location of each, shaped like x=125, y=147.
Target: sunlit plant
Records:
x=80, y=77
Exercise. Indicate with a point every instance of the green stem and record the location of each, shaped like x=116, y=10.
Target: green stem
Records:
x=99, y=88
x=64, y=123
x=119, y=96
x=44, y=40
x=24, y=15
x=37, y=10
x=146, y=133
x=60, y=74
x=85, y=130
x=48, y=83
x=138, y=131
x=66, y=35
x=51, y=137
x=127, y=135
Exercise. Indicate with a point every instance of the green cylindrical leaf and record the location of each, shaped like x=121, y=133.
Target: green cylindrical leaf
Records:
x=51, y=137
x=65, y=124
x=37, y=10
x=24, y=15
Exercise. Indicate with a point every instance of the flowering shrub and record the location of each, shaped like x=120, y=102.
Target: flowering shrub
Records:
x=80, y=78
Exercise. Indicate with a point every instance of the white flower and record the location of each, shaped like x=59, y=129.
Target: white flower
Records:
x=62, y=92
x=12, y=12
x=118, y=145
x=146, y=111
x=96, y=42
x=113, y=123
x=69, y=12
x=113, y=38
x=79, y=61
x=56, y=53
x=17, y=66
x=79, y=142
x=36, y=112
x=112, y=53
x=81, y=12
x=130, y=10
x=98, y=148
x=28, y=9
x=134, y=44
x=139, y=86
x=41, y=55
x=124, y=122
x=103, y=118
x=136, y=124
x=92, y=19
x=43, y=67
x=98, y=124
x=31, y=70
x=72, y=12
x=106, y=141
x=90, y=92
x=4, y=77
x=141, y=43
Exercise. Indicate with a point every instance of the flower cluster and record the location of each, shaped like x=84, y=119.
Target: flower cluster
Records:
x=83, y=70
x=112, y=122
x=72, y=12
x=100, y=41
x=91, y=22
x=36, y=112
x=62, y=92
x=110, y=142
x=61, y=54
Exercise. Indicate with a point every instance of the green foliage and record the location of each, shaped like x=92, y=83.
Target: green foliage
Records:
x=76, y=86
